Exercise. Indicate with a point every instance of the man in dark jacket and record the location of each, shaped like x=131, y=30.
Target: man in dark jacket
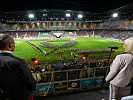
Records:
x=16, y=80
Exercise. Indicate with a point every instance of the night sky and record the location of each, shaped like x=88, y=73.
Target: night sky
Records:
x=95, y=6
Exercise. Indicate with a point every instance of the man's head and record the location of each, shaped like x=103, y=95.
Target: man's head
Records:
x=128, y=45
x=6, y=43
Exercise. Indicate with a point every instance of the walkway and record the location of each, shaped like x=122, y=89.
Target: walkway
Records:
x=86, y=95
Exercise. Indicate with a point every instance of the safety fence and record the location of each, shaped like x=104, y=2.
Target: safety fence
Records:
x=62, y=81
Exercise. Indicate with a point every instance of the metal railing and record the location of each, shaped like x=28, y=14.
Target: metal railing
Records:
x=68, y=80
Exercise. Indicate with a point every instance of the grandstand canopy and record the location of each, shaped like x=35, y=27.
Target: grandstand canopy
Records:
x=57, y=9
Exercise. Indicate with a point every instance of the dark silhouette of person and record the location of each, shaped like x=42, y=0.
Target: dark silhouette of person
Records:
x=16, y=80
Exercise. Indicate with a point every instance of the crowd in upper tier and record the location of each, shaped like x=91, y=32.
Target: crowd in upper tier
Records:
x=72, y=25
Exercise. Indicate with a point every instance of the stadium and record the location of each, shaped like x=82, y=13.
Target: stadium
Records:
x=68, y=50
x=57, y=32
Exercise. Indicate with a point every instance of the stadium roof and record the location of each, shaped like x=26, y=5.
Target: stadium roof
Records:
x=43, y=10
x=94, y=6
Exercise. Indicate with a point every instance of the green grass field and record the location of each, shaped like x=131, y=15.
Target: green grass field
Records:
x=26, y=51
x=58, y=42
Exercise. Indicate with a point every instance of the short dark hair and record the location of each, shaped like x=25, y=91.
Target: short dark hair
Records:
x=4, y=40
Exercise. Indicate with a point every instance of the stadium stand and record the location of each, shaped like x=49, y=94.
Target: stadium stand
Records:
x=121, y=35
x=2, y=27
x=57, y=25
x=131, y=26
x=95, y=25
x=32, y=34
x=126, y=24
x=81, y=33
x=12, y=34
x=116, y=34
x=69, y=29
x=69, y=34
x=112, y=24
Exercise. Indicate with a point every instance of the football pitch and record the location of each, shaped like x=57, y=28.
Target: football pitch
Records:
x=26, y=51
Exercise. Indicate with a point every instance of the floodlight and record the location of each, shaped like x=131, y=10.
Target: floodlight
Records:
x=115, y=15
x=31, y=15
x=68, y=14
x=80, y=16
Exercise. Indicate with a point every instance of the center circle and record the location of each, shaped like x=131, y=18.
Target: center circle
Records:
x=47, y=44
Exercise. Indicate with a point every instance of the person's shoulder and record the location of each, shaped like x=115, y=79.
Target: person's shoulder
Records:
x=18, y=60
x=124, y=55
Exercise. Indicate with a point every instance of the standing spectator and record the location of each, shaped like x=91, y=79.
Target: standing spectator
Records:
x=121, y=71
x=16, y=80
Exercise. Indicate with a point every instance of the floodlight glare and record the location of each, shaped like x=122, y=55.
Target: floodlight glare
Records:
x=115, y=15
x=68, y=15
x=31, y=15
x=80, y=16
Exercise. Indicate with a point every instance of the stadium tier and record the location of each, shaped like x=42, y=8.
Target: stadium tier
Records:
x=112, y=24
x=121, y=35
x=48, y=25
x=64, y=25
x=114, y=34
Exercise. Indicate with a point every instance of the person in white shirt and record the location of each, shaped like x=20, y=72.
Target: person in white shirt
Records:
x=121, y=71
